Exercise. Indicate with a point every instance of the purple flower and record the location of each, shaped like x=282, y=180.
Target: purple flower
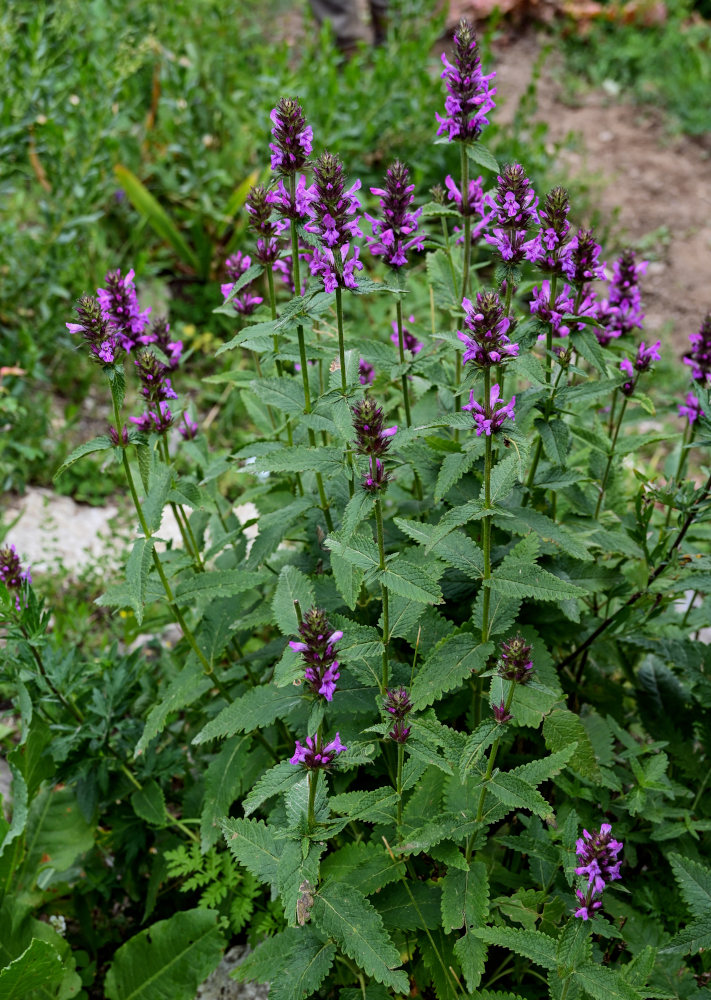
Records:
x=646, y=355
x=236, y=265
x=392, y=235
x=598, y=853
x=511, y=245
x=553, y=232
x=259, y=209
x=317, y=648
x=475, y=207
x=118, y=441
x=410, y=341
x=490, y=418
x=188, y=429
x=580, y=262
x=500, y=713
x=103, y=340
x=119, y=306
x=516, y=663
x=699, y=357
x=514, y=203
x=315, y=755
x=154, y=421
x=293, y=138
x=366, y=372
x=541, y=306
x=399, y=732
x=487, y=343
x=397, y=703
x=12, y=574
x=621, y=312
x=336, y=269
x=468, y=99
x=159, y=334
x=692, y=408
x=153, y=374
x=373, y=440
x=334, y=219
x=298, y=207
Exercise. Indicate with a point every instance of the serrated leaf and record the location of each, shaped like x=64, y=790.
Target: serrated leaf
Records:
x=100, y=443
x=441, y=278
x=603, y=983
x=368, y=867
x=253, y=845
x=525, y=518
x=149, y=803
x=515, y=578
x=344, y=914
x=561, y=728
x=220, y=583
x=586, y=344
x=223, y=780
x=452, y=469
x=168, y=959
x=190, y=684
x=537, y=947
x=292, y=586
x=275, y=781
x=157, y=496
x=359, y=550
x=479, y=741
x=255, y=709
x=468, y=906
x=503, y=479
x=284, y=394
x=409, y=580
x=574, y=946
x=480, y=155
x=518, y=794
x=694, y=882
x=555, y=438
x=375, y=806
x=299, y=458
x=692, y=938
x=307, y=967
x=450, y=663
x=474, y=510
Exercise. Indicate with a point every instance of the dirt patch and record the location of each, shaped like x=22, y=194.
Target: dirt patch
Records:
x=650, y=187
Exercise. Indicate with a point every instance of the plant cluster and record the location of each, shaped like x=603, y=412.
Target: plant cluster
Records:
x=440, y=725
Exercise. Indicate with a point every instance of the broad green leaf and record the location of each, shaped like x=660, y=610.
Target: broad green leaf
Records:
x=292, y=586
x=253, y=845
x=524, y=519
x=456, y=548
x=574, y=946
x=692, y=938
x=100, y=443
x=410, y=906
x=305, y=970
x=468, y=906
x=185, y=689
x=443, y=282
x=168, y=959
x=586, y=344
x=694, y=882
x=156, y=216
x=345, y=915
x=359, y=550
x=604, y=983
x=133, y=593
x=545, y=768
x=57, y=833
x=561, y=728
x=437, y=950
x=157, y=498
x=410, y=581
x=255, y=709
x=368, y=867
x=453, y=468
x=149, y=803
x=220, y=583
x=503, y=479
x=534, y=945
x=453, y=660
x=39, y=967
x=515, y=578
x=479, y=741
x=586, y=392
x=555, y=437
x=299, y=458
x=284, y=394
x=518, y=794
x=276, y=780
x=474, y=510
x=375, y=806
x=223, y=782
x=480, y=155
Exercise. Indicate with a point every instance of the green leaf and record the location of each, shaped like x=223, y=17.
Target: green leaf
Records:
x=692, y=938
x=479, y=741
x=157, y=497
x=255, y=709
x=574, y=947
x=100, y=443
x=375, y=806
x=299, y=458
x=149, y=804
x=57, y=833
x=555, y=438
x=292, y=586
x=482, y=157
x=117, y=383
x=342, y=913
x=450, y=663
x=453, y=468
x=503, y=479
x=586, y=344
x=294, y=963
x=586, y=392
x=534, y=945
x=525, y=518
x=518, y=794
x=368, y=867
x=604, y=983
x=133, y=593
x=408, y=580
x=253, y=845
x=467, y=905
x=284, y=394
x=223, y=782
x=439, y=274
x=40, y=966
x=561, y=728
x=410, y=906
x=516, y=578
x=474, y=510
x=359, y=549
x=156, y=216
x=694, y=882
x=168, y=959
x=276, y=780
x=220, y=583
x=185, y=689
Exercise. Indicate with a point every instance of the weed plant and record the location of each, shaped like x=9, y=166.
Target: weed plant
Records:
x=433, y=719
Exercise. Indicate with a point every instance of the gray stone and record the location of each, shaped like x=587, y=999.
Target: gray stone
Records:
x=219, y=986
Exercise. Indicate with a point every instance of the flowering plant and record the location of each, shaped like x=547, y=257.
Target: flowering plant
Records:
x=404, y=705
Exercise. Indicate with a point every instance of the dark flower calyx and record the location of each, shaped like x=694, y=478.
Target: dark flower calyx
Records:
x=398, y=702
x=371, y=437
x=516, y=663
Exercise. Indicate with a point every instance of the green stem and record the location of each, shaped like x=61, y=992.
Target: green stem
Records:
x=486, y=521
x=69, y=705
x=400, y=765
x=384, y=592
x=539, y=444
x=401, y=349
x=183, y=522
x=313, y=783
x=608, y=466
x=492, y=757
x=549, y=332
x=467, y=218
x=341, y=340
x=686, y=440
x=685, y=619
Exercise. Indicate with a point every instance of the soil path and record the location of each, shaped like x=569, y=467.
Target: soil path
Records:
x=648, y=185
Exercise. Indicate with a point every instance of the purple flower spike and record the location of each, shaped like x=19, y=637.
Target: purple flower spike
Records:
x=315, y=755
x=500, y=714
x=516, y=663
x=245, y=303
x=393, y=234
x=553, y=232
x=541, y=306
x=487, y=343
x=188, y=428
x=155, y=421
x=366, y=372
x=699, y=357
x=318, y=652
x=598, y=853
x=259, y=209
x=296, y=208
x=159, y=334
x=373, y=440
x=580, y=262
x=469, y=98
x=12, y=574
x=514, y=211
x=153, y=374
x=119, y=305
x=410, y=341
x=621, y=312
x=489, y=419
x=293, y=138
x=118, y=440
x=398, y=702
x=691, y=409
x=104, y=342
x=334, y=219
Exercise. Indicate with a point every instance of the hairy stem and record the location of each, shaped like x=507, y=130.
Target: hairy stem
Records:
x=486, y=521
x=384, y=592
x=492, y=758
